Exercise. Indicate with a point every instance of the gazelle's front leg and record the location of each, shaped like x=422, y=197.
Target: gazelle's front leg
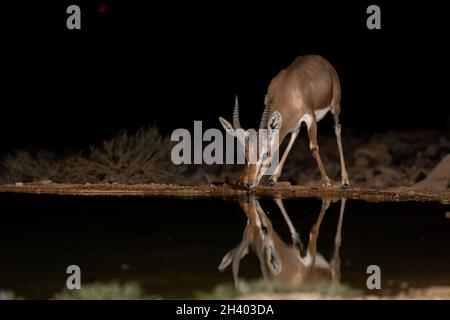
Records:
x=314, y=233
x=274, y=178
x=312, y=133
x=294, y=234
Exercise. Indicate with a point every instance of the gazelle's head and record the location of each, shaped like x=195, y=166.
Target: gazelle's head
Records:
x=259, y=236
x=259, y=146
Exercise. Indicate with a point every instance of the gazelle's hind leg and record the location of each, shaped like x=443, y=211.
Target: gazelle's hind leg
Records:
x=312, y=133
x=336, y=259
x=337, y=130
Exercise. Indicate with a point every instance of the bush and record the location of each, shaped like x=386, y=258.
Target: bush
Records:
x=272, y=289
x=142, y=157
x=8, y=295
x=104, y=291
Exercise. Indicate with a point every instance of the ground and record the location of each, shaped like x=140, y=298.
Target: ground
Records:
x=224, y=191
x=434, y=187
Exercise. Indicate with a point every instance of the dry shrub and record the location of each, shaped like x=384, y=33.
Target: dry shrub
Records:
x=142, y=157
x=105, y=291
x=23, y=166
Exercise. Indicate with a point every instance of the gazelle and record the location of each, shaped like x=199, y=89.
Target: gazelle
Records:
x=304, y=92
x=281, y=262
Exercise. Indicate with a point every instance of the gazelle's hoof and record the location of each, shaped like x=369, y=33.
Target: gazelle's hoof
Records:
x=247, y=186
x=327, y=184
x=346, y=186
x=272, y=183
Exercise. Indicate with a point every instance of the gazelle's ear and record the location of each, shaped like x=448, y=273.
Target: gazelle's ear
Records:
x=228, y=258
x=227, y=126
x=275, y=121
x=273, y=260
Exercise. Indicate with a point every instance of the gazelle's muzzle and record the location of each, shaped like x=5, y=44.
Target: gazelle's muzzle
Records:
x=248, y=179
x=253, y=174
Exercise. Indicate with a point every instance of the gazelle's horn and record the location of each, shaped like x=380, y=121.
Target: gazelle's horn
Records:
x=263, y=123
x=264, y=119
x=236, y=123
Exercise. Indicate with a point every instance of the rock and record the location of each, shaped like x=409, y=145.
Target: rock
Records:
x=419, y=176
x=379, y=182
x=361, y=161
x=283, y=184
x=390, y=172
x=19, y=184
x=44, y=182
x=375, y=152
x=438, y=178
x=431, y=150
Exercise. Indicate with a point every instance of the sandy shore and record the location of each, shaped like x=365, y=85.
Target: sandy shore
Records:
x=226, y=191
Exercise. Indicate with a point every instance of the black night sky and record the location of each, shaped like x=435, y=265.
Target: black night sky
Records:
x=133, y=64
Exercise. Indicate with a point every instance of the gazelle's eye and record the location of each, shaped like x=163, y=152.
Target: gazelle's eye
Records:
x=264, y=229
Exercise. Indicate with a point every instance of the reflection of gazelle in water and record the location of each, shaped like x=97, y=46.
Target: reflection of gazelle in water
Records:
x=281, y=262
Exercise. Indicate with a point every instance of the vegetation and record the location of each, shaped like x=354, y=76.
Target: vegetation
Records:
x=104, y=291
x=143, y=157
x=260, y=287
x=8, y=295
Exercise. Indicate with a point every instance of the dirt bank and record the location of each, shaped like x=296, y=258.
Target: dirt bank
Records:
x=227, y=191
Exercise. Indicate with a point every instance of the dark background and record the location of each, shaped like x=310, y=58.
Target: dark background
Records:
x=172, y=63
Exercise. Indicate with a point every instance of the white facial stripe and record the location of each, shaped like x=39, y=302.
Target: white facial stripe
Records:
x=259, y=169
x=259, y=225
x=258, y=222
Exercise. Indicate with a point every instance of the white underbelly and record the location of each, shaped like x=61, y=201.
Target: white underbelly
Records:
x=307, y=118
x=321, y=113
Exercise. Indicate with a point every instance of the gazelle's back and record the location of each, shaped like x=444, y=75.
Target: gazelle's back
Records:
x=308, y=84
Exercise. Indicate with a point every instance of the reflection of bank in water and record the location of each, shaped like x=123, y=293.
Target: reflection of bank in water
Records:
x=280, y=262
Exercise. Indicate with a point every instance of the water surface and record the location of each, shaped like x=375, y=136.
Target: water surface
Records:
x=173, y=247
